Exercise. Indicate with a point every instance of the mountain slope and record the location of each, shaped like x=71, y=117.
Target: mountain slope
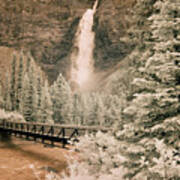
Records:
x=46, y=29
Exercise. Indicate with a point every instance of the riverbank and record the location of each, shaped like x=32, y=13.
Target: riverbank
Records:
x=27, y=160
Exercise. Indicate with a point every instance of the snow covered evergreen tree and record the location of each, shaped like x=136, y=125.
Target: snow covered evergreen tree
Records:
x=29, y=94
x=61, y=99
x=19, y=90
x=1, y=97
x=46, y=106
x=112, y=110
x=39, y=90
x=38, y=112
x=156, y=88
x=7, y=97
x=97, y=110
x=77, y=110
x=13, y=83
x=27, y=99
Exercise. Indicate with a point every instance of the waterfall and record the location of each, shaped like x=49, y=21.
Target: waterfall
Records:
x=82, y=55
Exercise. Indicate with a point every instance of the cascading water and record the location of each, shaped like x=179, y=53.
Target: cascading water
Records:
x=82, y=55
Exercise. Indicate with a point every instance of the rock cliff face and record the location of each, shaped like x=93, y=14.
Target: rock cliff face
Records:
x=46, y=29
x=112, y=20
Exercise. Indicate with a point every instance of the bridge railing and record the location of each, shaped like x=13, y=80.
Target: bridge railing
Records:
x=52, y=132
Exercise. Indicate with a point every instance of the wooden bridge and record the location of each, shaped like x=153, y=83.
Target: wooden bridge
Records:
x=47, y=132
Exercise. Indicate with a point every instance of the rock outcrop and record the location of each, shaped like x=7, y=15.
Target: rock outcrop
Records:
x=112, y=20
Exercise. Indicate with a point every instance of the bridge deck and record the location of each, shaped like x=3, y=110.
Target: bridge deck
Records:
x=50, y=132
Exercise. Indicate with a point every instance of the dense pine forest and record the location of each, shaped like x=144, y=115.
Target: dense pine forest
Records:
x=26, y=90
x=139, y=100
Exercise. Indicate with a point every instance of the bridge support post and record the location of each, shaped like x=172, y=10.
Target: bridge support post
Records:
x=15, y=133
x=52, y=143
x=34, y=138
x=20, y=135
x=5, y=136
x=27, y=137
x=64, y=142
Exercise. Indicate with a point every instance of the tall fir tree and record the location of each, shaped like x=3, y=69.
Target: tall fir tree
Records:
x=1, y=97
x=39, y=93
x=112, y=110
x=30, y=94
x=7, y=91
x=96, y=113
x=13, y=83
x=61, y=98
x=78, y=111
x=20, y=74
x=46, y=116
x=27, y=99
